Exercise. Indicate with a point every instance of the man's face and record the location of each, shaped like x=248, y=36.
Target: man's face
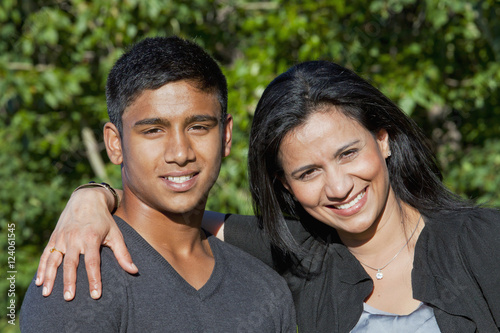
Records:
x=171, y=147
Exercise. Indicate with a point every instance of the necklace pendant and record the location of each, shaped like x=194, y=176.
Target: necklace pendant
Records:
x=379, y=275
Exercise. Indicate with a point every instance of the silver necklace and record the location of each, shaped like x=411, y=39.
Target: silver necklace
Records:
x=379, y=274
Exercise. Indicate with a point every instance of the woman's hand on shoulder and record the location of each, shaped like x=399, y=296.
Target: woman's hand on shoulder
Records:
x=84, y=225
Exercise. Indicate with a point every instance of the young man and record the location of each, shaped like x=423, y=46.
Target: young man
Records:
x=169, y=131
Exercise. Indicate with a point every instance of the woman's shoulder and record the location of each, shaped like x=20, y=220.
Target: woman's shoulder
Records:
x=446, y=218
x=452, y=240
x=469, y=224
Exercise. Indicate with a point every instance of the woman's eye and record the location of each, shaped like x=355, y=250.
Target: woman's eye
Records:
x=307, y=174
x=349, y=153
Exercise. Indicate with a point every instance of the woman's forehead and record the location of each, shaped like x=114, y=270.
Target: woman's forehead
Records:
x=325, y=124
x=324, y=133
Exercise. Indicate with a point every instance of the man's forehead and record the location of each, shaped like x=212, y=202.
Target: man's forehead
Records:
x=174, y=99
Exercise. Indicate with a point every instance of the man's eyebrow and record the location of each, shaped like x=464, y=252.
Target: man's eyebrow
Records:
x=201, y=118
x=189, y=120
x=151, y=121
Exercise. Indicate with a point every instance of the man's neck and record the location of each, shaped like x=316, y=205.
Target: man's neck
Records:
x=177, y=237
x=177, y=234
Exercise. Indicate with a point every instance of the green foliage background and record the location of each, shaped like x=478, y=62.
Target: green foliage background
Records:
x=438, y=59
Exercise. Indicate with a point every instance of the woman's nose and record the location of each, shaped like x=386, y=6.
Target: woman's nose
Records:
x=338, y=184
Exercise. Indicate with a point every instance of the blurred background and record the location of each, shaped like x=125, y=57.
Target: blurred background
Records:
x=437, y=59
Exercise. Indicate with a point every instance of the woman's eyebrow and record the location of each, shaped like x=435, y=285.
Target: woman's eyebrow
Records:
x=344, y=147
x=337, y=153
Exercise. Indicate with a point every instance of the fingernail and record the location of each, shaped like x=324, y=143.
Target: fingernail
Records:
x=37, y=281
x=67, y=295
x=133, y=266
x=94, y=294
x=45, y=291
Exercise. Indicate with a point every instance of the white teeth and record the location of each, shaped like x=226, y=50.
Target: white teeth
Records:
x=352, y=203
x=179, y=180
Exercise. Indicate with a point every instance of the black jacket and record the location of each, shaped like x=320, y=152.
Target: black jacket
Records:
x=456, y=271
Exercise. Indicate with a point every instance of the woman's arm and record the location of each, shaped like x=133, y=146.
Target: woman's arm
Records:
x=482, y=249
x=83, y=226
x=213, y=222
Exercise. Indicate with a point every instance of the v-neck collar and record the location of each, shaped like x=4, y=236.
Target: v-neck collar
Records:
x=215, y=277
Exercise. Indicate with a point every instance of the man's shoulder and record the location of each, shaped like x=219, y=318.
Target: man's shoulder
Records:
x=233, y=253
x=53, y=313
x=241, y=264
x=256, y=288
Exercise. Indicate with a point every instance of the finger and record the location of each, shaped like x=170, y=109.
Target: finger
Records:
x=117, y=244
x=40, y=273
x=53, y=262
x=70, y=267
x=93, y=266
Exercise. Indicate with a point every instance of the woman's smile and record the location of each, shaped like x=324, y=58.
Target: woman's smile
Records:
x=351, y=207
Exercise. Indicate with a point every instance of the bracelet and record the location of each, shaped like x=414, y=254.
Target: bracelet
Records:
x=106, y=186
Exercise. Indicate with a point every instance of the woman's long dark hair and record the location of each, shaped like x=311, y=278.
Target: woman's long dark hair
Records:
x=306, y=88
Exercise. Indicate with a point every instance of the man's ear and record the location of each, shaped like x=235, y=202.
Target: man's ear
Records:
x=113, y=143
x=227, y=135
x=383, y=143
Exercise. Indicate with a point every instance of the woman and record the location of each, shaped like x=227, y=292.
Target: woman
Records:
x=353, y=212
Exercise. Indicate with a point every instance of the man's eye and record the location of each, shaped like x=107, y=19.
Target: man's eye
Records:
x=199, y=128
x=152, y=131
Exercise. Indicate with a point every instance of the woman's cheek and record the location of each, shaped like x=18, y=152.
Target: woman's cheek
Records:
x=369, y=167
x=307, y=193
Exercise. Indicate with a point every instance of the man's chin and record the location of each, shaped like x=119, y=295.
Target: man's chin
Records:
x=187, y=212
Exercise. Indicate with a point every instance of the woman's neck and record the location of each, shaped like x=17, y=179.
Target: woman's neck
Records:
x=377, y=245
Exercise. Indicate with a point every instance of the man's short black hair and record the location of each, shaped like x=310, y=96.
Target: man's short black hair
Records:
x=154, y=62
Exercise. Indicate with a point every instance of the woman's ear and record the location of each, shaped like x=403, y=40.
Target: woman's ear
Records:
x=113, y=143
x=285, y=184
x=383, y=143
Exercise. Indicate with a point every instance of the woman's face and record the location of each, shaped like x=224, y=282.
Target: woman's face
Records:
x=336, y=169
